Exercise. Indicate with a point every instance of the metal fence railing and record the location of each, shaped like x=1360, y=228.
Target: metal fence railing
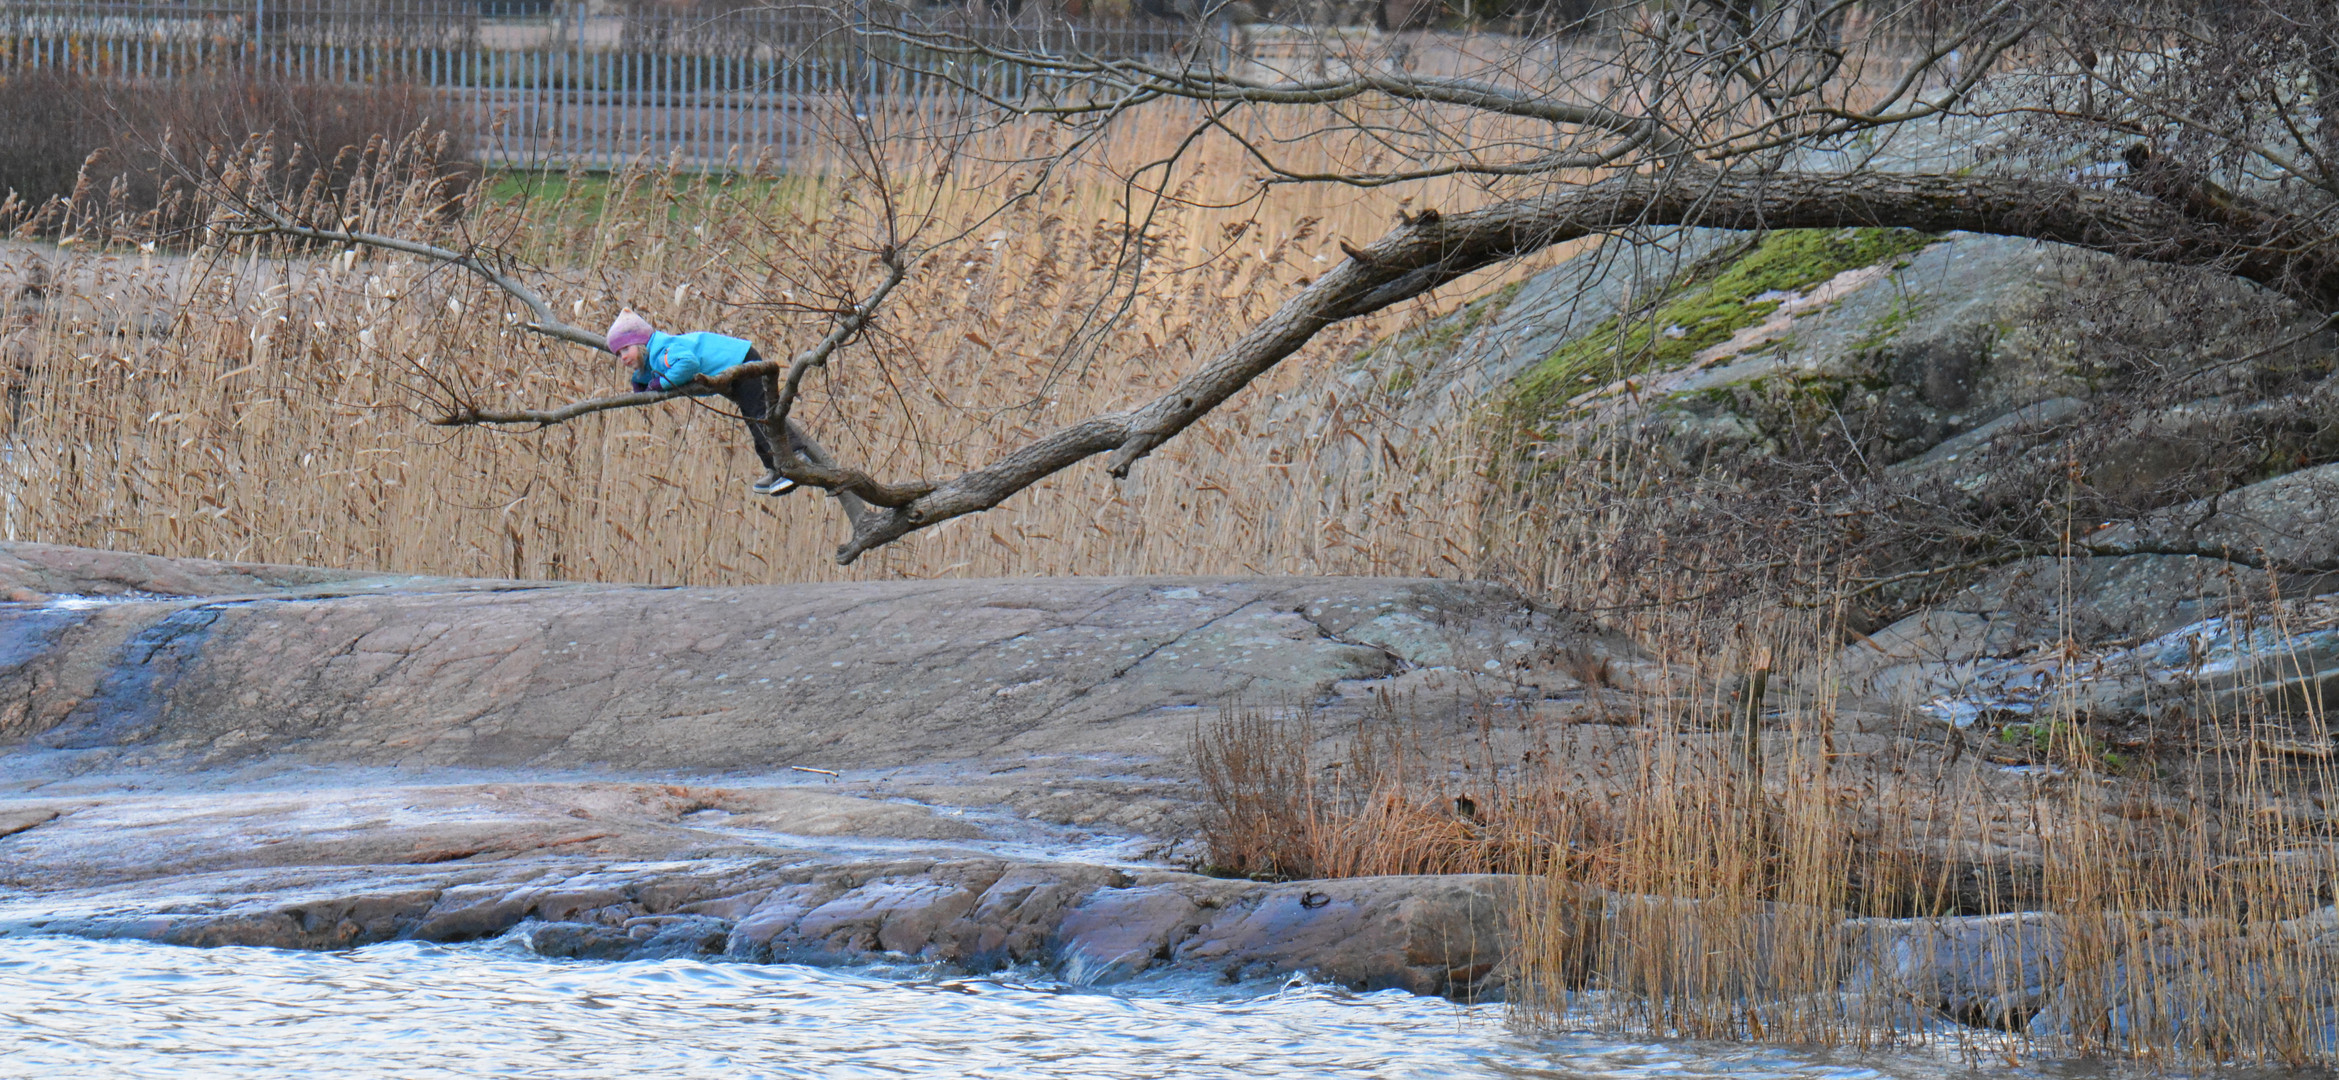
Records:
x=579, y=82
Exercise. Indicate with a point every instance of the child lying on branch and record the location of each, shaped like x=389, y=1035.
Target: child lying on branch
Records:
x=663, y=361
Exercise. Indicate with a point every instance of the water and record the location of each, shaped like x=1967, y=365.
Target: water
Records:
x=72, y=1008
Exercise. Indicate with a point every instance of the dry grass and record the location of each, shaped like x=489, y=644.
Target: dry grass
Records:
x=1687, y=881
x=253, y=401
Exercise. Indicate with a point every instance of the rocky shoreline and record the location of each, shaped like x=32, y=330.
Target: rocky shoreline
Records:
x=1087, y=923
x=968, y=775
x=972, y=774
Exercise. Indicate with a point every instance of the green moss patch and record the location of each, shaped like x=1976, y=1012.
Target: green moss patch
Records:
x=1702, y=307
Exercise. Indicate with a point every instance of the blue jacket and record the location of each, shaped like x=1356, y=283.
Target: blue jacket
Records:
x=671, y=361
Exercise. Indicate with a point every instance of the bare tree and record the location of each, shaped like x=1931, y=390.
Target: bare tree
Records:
x=2162, y=131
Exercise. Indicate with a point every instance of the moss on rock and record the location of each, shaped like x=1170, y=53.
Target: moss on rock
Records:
x=1702, y=307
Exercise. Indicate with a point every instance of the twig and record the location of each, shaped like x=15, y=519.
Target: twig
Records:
x=545, y=323
x=855, y=320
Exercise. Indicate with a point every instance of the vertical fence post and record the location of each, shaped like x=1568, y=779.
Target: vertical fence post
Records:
x=574, y=127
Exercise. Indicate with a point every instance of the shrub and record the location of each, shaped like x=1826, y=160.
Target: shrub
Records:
x=124, y=147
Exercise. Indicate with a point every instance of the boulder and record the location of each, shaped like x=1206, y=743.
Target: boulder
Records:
x=1955, y=383
x=1117, y=933
x=2152, y=604
x=1993, y=971
x=1949, y=355
x=2193, y=561
x=1446, y=935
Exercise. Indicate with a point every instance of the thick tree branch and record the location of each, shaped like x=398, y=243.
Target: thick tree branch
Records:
x=1432, y=250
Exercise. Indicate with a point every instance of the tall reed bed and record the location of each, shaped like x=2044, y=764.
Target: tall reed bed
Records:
x=1737, y=850
x=255, y=400
x=1793, y=861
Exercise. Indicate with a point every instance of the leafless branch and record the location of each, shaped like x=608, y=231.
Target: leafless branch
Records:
x=816, y=466
x=1134, y=79
x=1433, y=250
x=854, y=320
x=274, y=221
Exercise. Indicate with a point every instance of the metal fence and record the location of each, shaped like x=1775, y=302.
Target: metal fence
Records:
x=571, y=82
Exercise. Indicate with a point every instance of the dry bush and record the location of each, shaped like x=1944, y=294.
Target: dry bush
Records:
x=1254, y=765
x=1390, y=794
x=45, y=134
x=114, y=148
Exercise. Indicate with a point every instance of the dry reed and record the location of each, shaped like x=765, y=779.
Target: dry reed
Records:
x=1822, y=878
x=249, y=400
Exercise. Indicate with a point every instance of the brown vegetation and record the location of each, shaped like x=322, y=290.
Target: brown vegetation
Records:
x=1708, y=114
x=1710, y=857
x=258, y=399
x=119, y=148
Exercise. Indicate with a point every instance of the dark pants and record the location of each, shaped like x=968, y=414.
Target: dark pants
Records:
x=755, y=397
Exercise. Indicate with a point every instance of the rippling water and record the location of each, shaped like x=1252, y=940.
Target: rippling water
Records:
x=71, y=1008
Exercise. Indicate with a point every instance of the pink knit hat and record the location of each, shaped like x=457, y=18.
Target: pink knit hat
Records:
x=628, y=331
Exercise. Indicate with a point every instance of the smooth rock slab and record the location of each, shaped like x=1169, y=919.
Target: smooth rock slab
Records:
x=414, y=672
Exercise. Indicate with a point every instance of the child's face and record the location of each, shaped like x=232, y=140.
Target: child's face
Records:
x=633, y=354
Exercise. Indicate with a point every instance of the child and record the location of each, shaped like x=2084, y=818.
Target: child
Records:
x=670, y=361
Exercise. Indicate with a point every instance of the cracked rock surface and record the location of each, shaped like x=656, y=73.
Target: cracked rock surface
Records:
x=974, y=773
